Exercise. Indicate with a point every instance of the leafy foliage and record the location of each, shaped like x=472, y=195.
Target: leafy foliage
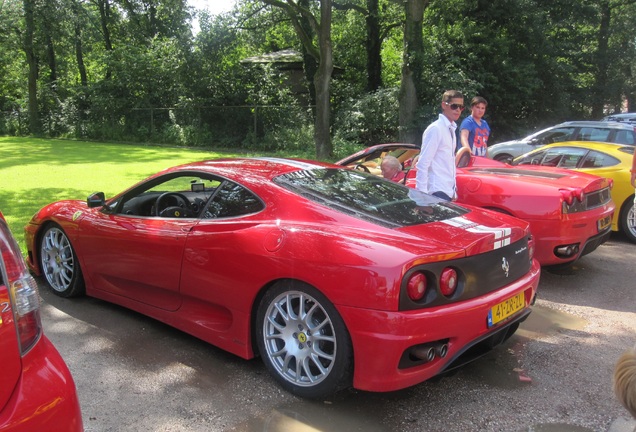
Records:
x=134, y=70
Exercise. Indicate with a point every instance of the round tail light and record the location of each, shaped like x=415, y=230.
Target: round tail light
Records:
x=416, y=287
x=448, y=282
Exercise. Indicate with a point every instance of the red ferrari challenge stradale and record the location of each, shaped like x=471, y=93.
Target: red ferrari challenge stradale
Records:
x=570, y=213
x=335, y=277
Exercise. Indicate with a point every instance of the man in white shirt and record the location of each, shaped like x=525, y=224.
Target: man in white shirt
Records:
x=436, y=164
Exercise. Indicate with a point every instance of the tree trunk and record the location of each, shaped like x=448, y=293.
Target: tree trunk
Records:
x=374, y=46
x=34, y=116
x=310, y=66
x=412, y=66
x=79, y=55
x=602, y=61
x=104, y=18
x=322, y=80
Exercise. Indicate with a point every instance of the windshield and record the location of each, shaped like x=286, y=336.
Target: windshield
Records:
x=369, y=197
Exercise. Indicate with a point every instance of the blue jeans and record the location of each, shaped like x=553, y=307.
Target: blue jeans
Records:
x=442, y=195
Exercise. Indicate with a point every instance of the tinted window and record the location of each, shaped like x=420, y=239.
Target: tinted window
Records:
x=368, y=197
x=232, y=200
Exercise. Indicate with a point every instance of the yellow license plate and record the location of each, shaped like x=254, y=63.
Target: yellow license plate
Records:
x=506, y=308
x=603, y=223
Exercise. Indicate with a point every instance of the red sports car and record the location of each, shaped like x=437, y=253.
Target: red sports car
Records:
x=316, y=268
x=570, y=213
x=37, y=392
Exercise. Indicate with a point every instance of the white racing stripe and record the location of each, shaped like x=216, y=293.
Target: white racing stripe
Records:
x=502, y=235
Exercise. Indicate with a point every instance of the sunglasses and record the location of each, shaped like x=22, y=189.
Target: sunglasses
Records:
x=455, y=106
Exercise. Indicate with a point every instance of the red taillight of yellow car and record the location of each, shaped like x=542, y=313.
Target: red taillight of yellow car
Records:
x=448, y=282
x=23, y=291
x=416, y=286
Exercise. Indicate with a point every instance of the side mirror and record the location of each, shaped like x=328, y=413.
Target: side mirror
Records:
x=97, y=199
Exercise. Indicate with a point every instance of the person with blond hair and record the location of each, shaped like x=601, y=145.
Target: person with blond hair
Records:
x=625, y=380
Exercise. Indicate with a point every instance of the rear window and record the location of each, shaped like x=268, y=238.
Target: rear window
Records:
x=369, y=197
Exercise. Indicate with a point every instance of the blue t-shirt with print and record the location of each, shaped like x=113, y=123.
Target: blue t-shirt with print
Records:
x=477, y=135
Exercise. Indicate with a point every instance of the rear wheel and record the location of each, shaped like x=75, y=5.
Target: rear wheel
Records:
x=59, y=263
x=628, y=219
x=303, y=340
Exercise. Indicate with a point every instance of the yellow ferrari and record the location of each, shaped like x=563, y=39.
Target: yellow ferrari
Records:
x=602, y=159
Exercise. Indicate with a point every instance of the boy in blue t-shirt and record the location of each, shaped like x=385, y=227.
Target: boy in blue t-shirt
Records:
x=474, y=130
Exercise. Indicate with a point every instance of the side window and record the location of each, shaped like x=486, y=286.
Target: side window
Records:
x=594, y=134
x=624, y=137
x=232, y=200
x=596, y=159
x=556, y=135
x=531, y=159
x=571, y=157
x=188, y=191
x=552, y=157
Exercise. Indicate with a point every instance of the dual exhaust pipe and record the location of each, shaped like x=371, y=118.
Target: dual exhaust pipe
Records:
x=428, y=352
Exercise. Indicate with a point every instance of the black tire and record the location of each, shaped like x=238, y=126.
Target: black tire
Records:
x=627, y=219
x=303, y=341
x=59, y=263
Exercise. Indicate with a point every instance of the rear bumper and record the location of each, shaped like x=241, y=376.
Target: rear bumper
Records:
x=381, y=338
x=580, y=230
x=45, y=397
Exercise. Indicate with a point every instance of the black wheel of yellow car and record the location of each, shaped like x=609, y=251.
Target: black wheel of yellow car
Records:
x=628, y=219
x=59, y=263
x=303, y=340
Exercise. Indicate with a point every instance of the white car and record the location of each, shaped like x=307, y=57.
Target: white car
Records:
x=602, y=131
x=629, y=118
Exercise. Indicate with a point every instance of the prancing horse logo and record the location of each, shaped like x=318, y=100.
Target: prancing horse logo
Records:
x=505, y=266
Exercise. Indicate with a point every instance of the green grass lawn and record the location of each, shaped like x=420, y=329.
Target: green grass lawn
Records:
x=35, y=172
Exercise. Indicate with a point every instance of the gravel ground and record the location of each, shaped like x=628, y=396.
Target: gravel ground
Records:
x=136, y=374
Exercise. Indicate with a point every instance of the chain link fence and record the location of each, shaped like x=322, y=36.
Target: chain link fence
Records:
x=198, y=126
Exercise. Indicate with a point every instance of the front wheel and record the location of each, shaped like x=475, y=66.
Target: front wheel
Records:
x=628, y=219
x=59, y=263
x=303, y=341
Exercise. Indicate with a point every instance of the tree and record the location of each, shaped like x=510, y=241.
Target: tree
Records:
x=320, y=48
x=412, y=69
x=29, y=51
